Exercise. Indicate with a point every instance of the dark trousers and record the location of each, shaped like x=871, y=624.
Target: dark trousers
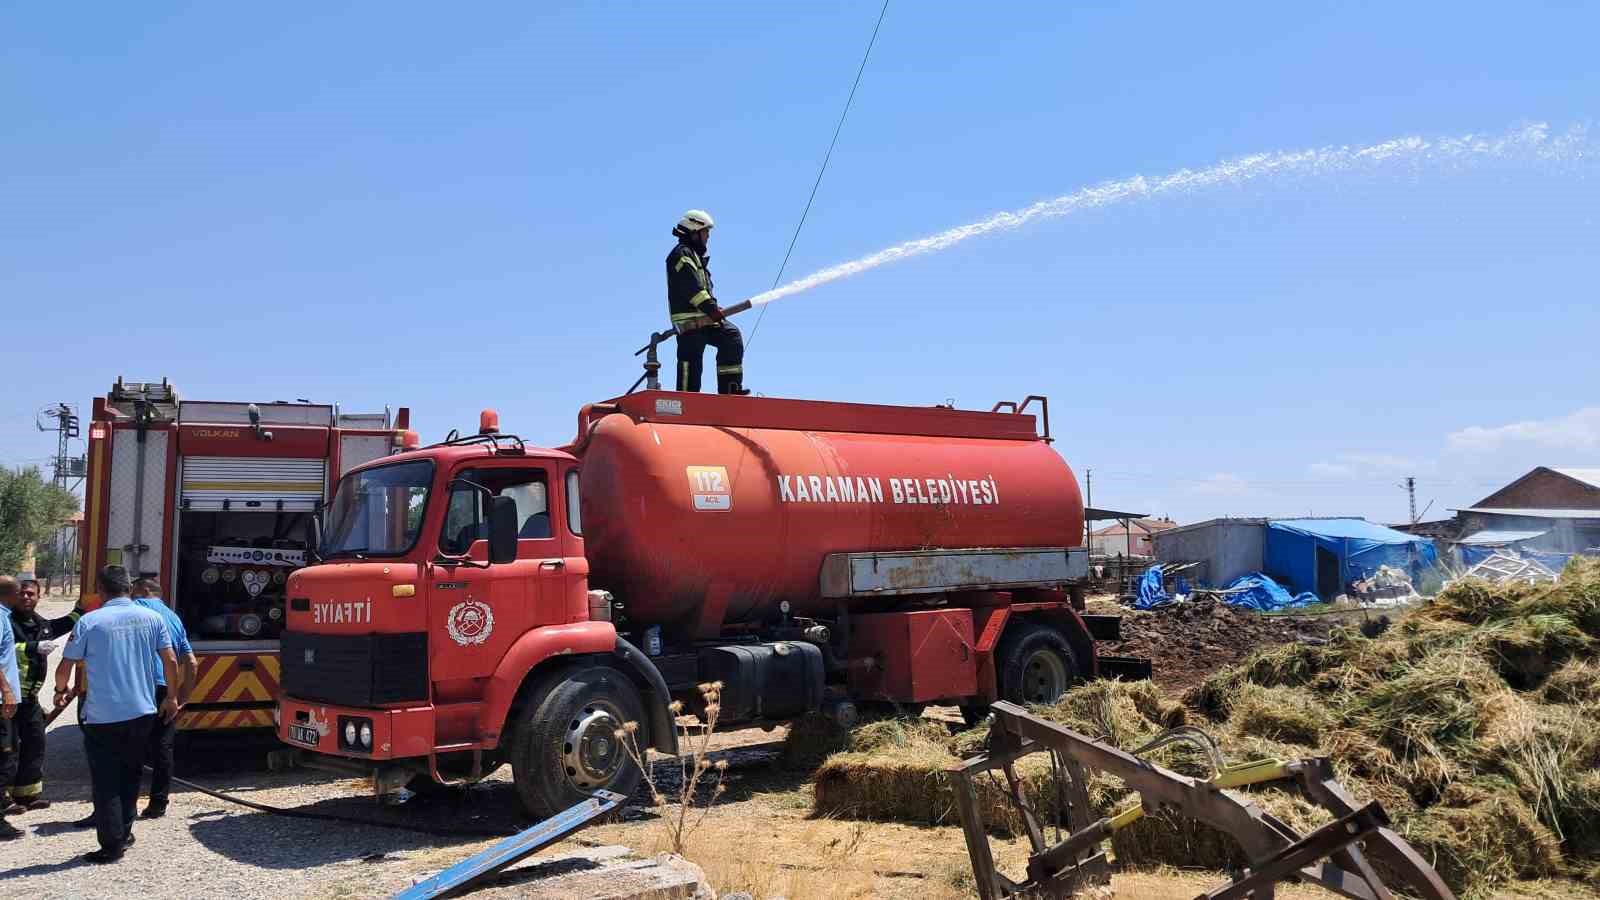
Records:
x=28, y=782
x=162, y=737
x=730, y=357
x=116, y=752
x=8, y=752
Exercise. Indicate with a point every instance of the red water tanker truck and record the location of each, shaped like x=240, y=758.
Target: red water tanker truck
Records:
x=482, y=601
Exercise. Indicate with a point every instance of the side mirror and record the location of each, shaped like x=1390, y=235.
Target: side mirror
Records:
x=314, y=537
x=502, y=531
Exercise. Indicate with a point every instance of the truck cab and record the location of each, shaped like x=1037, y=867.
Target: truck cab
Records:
x=448, y=629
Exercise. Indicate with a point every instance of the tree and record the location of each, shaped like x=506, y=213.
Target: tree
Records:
x=54, y=558
x=30, y=511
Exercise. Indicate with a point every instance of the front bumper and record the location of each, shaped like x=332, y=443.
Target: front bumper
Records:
x=396, y=733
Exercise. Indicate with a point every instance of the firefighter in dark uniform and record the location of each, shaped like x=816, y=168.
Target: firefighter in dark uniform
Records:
x=689, y=297
x=37, y=638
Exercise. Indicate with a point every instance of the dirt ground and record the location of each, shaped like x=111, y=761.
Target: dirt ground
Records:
x=1187, y=642
x=760, y=836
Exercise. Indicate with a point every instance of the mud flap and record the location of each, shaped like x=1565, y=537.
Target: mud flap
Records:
x=663, y=727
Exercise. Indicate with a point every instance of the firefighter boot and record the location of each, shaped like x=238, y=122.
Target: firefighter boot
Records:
x=731, y=384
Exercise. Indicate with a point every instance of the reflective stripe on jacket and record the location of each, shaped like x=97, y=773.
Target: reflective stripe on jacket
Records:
x=688, y=283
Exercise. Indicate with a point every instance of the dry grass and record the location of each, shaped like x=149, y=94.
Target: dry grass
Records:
x=1576, y=682
x=700, y=780
x=1475, y=720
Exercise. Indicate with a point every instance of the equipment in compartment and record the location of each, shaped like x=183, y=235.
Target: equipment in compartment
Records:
x=233, y=571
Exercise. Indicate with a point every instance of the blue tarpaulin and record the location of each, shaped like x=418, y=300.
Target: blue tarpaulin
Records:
x=1323, y=556
x=1263, y=594
x=1151, y=592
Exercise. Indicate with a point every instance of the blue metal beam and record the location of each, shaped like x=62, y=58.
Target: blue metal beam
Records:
x=513, y=849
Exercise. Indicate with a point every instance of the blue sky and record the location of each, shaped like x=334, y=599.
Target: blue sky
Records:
x=406, y=204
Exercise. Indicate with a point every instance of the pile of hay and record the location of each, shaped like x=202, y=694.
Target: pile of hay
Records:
x=1475, y=721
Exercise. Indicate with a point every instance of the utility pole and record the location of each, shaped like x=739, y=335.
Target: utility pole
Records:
x=67, y=472
x=1088, y=489
x=65, y=425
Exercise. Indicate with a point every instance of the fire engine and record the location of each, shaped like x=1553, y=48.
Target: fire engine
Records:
x=483, y=601
x=212, y=499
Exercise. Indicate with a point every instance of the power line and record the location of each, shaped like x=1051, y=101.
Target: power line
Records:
x=823, y=170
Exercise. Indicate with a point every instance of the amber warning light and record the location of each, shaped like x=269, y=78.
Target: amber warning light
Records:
x=488, y=422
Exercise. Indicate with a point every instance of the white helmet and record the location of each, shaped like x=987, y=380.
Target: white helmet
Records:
x=695, y=219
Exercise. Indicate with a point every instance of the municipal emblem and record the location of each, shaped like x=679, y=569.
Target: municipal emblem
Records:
x=470, y=622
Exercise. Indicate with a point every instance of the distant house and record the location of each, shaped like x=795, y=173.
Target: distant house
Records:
x=1549, y=509
x=1129, y=537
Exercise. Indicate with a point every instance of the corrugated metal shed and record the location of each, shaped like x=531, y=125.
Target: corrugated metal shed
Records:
x=1491, y=537
x=1536, y=513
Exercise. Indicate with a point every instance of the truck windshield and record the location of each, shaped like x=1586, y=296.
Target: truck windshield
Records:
x=378, y=512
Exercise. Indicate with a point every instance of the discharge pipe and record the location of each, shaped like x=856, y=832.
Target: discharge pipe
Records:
x=651, y=379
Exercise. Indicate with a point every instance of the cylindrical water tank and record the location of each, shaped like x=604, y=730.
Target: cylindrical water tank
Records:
x=694, y=523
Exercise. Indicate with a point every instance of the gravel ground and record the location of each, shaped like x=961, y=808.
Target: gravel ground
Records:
x=206, y=847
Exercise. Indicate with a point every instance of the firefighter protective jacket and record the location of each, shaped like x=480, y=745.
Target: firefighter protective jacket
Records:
x=688, y=283
x=31, y=628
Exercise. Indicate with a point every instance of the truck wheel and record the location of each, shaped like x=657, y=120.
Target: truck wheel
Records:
x=566, y=744
x=1035, y=665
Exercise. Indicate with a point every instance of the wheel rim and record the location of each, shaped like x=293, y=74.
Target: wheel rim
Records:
x=1044, y=677
x=593, y=754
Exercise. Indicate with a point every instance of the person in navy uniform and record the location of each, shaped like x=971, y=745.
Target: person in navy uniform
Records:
x=37, y=638
x=116, y=650
x=163, y=735
x=689, y=299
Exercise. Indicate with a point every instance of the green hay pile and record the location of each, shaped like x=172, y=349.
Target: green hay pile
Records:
x=1474, y=720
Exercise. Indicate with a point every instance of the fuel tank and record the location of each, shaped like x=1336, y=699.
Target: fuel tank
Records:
x=700, y=510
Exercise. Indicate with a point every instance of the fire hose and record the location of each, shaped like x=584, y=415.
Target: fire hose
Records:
x=652, y=365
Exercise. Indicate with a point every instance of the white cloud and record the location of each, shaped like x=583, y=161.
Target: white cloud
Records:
x=1331, y=470
x=1578, y=430
x=1358, y=465
x=1220, y=484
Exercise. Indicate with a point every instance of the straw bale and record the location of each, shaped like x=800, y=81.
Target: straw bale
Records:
x=1526, y=649
x=1493, y=841
x=1576, y=682
x=1290, y=714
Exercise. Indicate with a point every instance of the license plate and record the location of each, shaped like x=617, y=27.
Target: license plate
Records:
x=302, y=734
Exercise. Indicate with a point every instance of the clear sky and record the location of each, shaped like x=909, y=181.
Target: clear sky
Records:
x=451, y=207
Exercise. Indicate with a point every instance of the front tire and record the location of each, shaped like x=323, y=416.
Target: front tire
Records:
x=566, y=745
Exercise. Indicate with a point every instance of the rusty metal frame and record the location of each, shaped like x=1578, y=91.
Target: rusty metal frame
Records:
x=1334, y=856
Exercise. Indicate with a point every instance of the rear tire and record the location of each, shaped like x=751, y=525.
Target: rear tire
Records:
x=1035, y=665
x=566, y=747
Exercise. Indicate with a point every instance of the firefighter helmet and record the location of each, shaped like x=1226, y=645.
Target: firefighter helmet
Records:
x=695, y=220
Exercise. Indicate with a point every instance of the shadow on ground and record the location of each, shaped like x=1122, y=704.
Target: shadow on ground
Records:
x=488, y=809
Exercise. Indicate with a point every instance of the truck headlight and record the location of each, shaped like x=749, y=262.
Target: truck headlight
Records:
x=350, y=733
x=366, y=735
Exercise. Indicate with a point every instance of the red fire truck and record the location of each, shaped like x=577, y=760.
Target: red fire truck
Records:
x=482, y=601
x=212, y=499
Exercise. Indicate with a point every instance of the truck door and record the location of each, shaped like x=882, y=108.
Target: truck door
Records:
x=477, y=613
x=573, y=581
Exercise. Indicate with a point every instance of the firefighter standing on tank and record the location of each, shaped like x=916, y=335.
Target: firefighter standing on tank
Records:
x=689, y=298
